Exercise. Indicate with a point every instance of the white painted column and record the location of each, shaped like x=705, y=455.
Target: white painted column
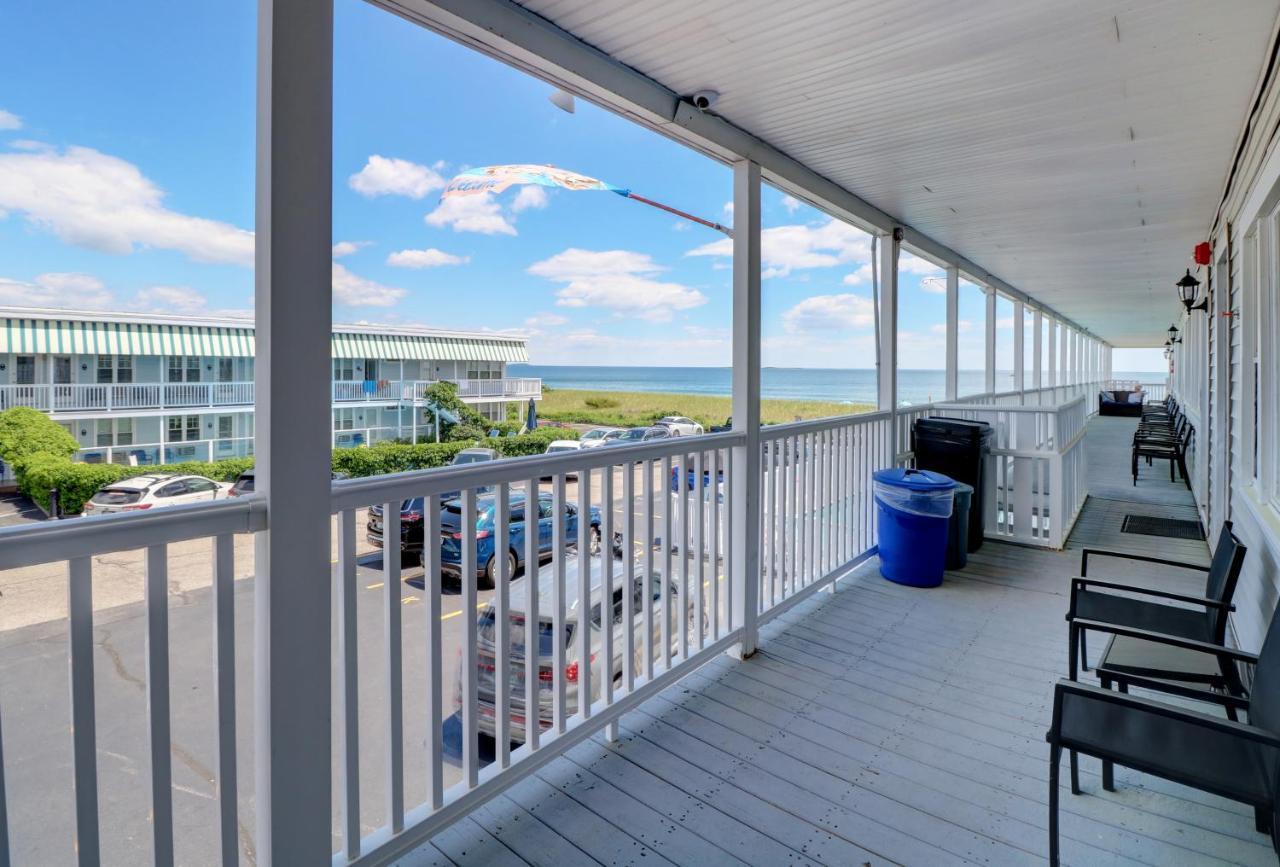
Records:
x=991, y=341
x=1053, y=352
x=1019, y=347
x=1108, y=373
x=888, y=380
x=745, y=501
x=1037, y=348
x=293, y=302
x=1064, y=366
x=953, y=333
x=1073, y=364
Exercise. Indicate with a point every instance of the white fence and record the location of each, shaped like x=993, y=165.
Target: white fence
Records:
x=106, y=397
x=674, y=597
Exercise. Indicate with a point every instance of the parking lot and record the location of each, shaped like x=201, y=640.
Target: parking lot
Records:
x=34, y=694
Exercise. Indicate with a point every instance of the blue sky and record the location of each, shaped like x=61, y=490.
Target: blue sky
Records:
x=126, y=183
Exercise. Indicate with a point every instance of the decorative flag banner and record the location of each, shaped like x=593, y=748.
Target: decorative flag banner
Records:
x=496, y=179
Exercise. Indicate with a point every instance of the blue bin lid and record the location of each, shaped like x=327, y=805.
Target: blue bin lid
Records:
x=914, y=480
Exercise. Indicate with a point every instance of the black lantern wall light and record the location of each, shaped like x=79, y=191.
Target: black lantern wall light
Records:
x=1188, y=288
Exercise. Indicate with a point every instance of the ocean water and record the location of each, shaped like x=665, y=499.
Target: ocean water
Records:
x=793, y=383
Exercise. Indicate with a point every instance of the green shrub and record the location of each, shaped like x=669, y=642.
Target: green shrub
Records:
x=25, y=431
x=601, y=402
x=76, y=483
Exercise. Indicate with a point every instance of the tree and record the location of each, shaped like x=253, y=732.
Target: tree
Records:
x=443, y=397
x=25, y=432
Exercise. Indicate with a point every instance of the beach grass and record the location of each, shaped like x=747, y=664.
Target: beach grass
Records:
x=633, y=408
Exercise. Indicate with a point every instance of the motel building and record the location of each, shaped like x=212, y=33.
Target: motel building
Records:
x=144, y=389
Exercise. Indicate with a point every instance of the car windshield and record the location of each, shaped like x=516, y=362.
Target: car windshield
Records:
x=470, y=458
x=593, y=435
x=554, y=449
x=637, y=434
x=486, y=633
x=116, y=497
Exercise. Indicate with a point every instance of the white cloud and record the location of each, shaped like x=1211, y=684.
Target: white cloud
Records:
x=546, y=320
x=389, y=176
x=909, y=264
x=471, y=213
x=428, y=258
x=346, y=248
x=962, y=326
x=791, y=203
x=1005, y=323
x=172, y=299
x=728, y=209
x=56, y=290
x=860, y=276
x=681, y=226
x=619, y=280
x=357, y=291
x=530, y=196
x=94, y=200
x=784, y=249
x=829, y=313
x=9, y=120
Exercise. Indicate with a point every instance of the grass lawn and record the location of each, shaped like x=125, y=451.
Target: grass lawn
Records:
x=632, y=408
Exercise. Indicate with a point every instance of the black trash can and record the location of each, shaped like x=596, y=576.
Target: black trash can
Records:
x=957, y=448
x=958, y=530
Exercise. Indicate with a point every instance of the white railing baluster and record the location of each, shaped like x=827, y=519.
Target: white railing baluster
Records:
x=532, y=636
x=435, y=651
x=699, y=545
x=606, y=592
x=470, y=654
x=664, y=564
x=730, y=624
x=348, y=644
x=392, y=603
x=646, y=580
x=584, y=594
x=156, y=595
x=224, y=695
x=629, y=576
x=714, y=556
x=83, y=718
x=683, y=494
x=558, y=543
x=502, y=624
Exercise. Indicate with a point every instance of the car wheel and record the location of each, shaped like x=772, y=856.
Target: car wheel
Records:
x=491, y=569
x=594, y=537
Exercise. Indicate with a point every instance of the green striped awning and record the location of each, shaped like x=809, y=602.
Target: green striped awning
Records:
x=122, y=338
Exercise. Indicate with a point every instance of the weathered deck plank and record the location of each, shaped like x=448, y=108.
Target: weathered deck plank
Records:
x=882, y=724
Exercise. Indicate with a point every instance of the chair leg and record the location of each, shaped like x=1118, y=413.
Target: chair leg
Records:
x=1075, y=773
x=1055, y=758
x=1073, y=650
x=1108, y=769
x=1084, y=652
x=1262, y=820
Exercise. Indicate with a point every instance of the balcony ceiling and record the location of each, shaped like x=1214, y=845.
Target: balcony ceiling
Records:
x=1077, y=150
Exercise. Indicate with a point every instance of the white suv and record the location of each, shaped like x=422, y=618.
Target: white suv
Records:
x=151, y=491
x=680, y=426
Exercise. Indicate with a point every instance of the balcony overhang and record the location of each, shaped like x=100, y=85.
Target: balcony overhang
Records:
x=1062, y=152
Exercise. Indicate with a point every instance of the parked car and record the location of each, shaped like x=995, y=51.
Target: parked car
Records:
x=151, y=491
x=518, y=605
x=680, y=426
x=599, y=436
x=412, y=523
x=558, y=446
x=244, y=483
x=634, y=435
x=690, y=482
x=474, y=456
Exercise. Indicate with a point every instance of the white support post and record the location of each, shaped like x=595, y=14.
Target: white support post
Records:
x=1064, y=367
x=745, y=478
x=1037, y=349
x=1073, y=344
x=1019, y=347
x=1053, y=352
x=991, y=341
x=888, y=380
x=953, y=333
x=293, y=302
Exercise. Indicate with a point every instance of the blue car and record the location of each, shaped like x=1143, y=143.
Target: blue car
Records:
x=691, y=481
x=487, y=551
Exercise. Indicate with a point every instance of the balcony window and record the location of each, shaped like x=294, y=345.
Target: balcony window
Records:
x=344, y=369
x=117, y=432
x=25, y=370
x=115, y=368
x=226, y=427
x=183, y=428
x=343, y=419
x=184, y=368
x=226, y=369
x=62, y=369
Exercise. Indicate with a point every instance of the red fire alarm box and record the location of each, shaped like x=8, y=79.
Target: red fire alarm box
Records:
x=1203, y=253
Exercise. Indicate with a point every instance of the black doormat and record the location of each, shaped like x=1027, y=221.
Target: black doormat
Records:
x=1144, y=525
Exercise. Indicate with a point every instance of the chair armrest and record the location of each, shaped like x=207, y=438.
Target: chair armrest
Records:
x=1217, y=650
x=1205, y=695
x=1216, y=724
x=1085, y=583
x=1102, y=552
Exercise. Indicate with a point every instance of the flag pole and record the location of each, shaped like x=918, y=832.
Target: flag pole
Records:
x=709, y=224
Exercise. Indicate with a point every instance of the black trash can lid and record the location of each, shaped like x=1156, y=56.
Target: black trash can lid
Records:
x=953, y=428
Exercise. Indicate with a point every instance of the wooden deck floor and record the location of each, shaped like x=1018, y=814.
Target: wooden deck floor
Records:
x=876, y=725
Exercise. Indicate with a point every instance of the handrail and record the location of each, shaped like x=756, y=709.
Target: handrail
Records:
x=354, y=493
x=53, y=541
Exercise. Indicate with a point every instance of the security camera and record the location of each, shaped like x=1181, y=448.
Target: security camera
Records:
x=704, y=99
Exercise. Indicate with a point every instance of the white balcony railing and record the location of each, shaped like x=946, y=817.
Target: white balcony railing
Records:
x=110, y=397
x=152, y=454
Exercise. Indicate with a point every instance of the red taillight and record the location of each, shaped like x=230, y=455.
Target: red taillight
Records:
x=457, y=536
x=571, y=672
x=136, y=508
x=545, y=675
x=410, y=517
x=483, y=534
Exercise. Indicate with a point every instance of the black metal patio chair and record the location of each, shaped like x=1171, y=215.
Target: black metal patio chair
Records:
x=1197, y=618
x=1235, y=760
x=1162, y=447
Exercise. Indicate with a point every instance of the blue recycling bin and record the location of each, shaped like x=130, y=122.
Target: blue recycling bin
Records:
x=914, y=508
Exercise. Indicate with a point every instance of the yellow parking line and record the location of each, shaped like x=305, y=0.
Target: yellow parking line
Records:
x=374, y=586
